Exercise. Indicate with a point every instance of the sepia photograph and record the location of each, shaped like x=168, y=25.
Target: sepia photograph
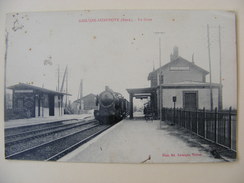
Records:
x=121, y=86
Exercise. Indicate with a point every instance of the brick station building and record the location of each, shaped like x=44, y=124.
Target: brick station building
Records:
x=84, y=104
x=183, y=80
x=32, y=101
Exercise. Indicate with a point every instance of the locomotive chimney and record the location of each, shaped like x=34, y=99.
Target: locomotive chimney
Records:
x=106, y=88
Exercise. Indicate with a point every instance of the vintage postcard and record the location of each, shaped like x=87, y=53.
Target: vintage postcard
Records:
x=121, y=86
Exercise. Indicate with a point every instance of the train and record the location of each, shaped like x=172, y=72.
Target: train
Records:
x=112, y=107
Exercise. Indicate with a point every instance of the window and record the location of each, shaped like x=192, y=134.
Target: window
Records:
x=161, y=79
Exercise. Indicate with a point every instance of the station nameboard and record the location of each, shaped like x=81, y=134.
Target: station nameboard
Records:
x=179, y=68
x=23, y=91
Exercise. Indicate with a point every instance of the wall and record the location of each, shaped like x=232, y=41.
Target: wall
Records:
x=203, y=97
x=90, y=102
x=175, y=76
x=180, y=76
x=153, y=79
x=36, y=107
x=28, y=104
x=172, y=76
x=58, y=109
x=45, y=111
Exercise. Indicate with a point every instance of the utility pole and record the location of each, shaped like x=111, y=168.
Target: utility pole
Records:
x=220, y=72
x=5, y=75
x=58, y=76
x=210, y=72
x=66, y=102
x=81, y=93
x=64, y=76
x=160, y=87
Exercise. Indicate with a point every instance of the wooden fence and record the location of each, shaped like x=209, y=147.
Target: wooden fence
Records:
x=216, y=126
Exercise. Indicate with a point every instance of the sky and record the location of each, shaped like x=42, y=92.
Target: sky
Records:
x=116, y=48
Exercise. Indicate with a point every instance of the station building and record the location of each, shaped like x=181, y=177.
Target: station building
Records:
x=32, y=101
x=182, y=80
x=84, y=104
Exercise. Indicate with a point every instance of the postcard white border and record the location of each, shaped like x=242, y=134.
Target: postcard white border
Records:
x=28, y=171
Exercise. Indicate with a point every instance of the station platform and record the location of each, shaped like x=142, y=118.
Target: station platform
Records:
x=33, y=121
x=140, y=141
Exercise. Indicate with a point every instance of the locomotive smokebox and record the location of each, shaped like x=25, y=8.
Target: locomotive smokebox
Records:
x=106, y=98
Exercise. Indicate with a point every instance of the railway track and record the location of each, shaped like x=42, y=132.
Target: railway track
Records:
x=57, y=148
x=37, y=138
x=23, y=129
x=24, y=136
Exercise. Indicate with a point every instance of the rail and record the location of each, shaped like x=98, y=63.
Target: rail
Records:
x=217, y=126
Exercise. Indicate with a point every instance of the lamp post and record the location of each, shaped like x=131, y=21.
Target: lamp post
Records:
x=160, y=87
x=210, y=71
x=174, y=100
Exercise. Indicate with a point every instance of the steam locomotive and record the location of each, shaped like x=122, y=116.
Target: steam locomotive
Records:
x=112, y=107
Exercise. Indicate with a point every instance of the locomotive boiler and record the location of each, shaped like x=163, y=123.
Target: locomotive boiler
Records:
x=112, y=107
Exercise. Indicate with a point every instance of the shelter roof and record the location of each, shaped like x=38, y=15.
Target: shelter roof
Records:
x=141, y=90
x=23, y=86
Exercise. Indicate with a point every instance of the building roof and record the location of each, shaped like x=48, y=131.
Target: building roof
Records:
x=23, y=86
x=179, y=59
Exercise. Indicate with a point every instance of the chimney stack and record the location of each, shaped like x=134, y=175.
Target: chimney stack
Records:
x=175, y=54
x=192, y=58
x=176, y=51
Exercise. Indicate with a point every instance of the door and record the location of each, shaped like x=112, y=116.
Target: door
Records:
x=190, y=100
x=51, y=105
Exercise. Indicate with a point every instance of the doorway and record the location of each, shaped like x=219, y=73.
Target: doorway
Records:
x=190, y=100
x=51, y=105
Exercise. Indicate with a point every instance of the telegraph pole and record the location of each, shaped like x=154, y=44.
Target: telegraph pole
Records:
x=66, y=102
x=210, y=72
x=220, y=72
x=81, y=93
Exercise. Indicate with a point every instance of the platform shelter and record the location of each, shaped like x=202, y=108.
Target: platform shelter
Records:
x=32, y=101
x=142, y=93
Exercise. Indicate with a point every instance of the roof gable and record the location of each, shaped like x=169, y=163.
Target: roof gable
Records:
x=179, y=61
